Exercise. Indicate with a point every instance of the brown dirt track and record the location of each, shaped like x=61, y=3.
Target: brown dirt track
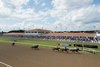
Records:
x=24, y=56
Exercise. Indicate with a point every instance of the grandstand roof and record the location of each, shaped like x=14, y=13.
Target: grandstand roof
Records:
x=39, y=30
x=70, y=34
x=14, y=34
x=60, y=34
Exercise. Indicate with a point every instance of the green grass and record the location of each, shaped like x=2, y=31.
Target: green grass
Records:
x=30, y=41
x=46, y=43
x=42, y=43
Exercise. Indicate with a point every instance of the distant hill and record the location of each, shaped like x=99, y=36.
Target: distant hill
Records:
x=1, y=33
x=91, y=31
x=43, y=30
x=39, y=30
x=16, y=31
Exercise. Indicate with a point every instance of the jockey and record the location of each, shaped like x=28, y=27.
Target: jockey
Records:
x=58, y=46
x=65, y=46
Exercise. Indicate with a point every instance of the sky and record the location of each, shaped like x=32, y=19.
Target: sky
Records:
x=56, y=15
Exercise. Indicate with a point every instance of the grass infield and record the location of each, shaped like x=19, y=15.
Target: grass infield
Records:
x=43, y=43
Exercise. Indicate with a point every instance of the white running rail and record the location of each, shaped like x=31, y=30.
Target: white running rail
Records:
x=5, y=64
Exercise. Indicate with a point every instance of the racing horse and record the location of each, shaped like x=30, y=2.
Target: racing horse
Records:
x=75, y=50
x=13, y=42
x=56, y=49
x=35, y=46
x=64, y=50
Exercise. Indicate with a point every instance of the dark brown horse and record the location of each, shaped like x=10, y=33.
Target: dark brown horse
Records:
x=75, y=50
x=35, y=47
x=64, y=50
x=13, y=43
x=56, y=48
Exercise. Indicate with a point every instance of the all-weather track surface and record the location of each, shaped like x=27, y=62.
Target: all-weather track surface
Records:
x=24, y=56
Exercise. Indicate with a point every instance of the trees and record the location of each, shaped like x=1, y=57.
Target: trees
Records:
x=16, y=31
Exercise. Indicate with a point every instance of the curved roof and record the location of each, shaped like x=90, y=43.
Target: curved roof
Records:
x=39, y=30
x=14, y=34
x=60, y=34
x=71, y=34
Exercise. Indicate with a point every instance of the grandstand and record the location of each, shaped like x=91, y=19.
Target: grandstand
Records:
x=37, y=32
x=62, y=36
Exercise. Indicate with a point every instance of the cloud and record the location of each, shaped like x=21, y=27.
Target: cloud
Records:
x=76, y=14
x=59, y=14
x=16, y=2
x=71, y=4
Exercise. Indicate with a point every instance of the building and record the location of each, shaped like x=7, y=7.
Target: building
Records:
x=37, y=32
x=49, y=35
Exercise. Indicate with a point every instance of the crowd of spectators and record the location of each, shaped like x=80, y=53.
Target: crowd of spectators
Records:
x=61, y=38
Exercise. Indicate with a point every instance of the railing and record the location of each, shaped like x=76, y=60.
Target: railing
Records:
x=5, y=64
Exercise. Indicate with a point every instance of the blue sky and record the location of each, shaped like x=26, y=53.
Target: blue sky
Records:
x=97, y=2
x=38, y=5
x=60, y=15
